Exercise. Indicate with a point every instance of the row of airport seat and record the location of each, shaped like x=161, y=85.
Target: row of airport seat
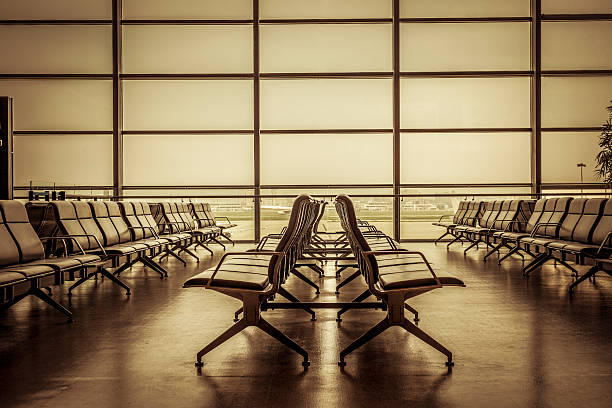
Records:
x=563, y=229
x=392, y=274
x=95, y=238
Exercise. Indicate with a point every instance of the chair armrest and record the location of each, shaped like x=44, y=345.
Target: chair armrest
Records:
x=445, y=215
x=237, y=253
x=542, y=224
x=223, y=218
x=63, y=238
x=89, y=236
x=608, y=238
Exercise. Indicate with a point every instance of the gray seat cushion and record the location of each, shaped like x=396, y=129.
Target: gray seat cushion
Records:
x=418, y=276
x=10, y=278
x=232, y=276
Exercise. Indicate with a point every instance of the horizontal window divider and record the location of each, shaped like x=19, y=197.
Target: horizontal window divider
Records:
x=468, y=195
x=322, y=131
x=189, y=132
x=577, y=72
x=56, y=76
x=186, y=76
x=463, y=19
x=465, y=130
x=192, y=187
x=572, y=129
x=576, y=17
x=461, y=74
x=60, y=187
x=465, y=185
x=187, y=22
x=558, y=186
x=56, y=22
x=180, y=197
x=299, y=75
x=321, y=186
x=383, y=20
x=61, y=132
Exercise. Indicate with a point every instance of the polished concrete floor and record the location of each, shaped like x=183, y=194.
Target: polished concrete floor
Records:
x=517, y=343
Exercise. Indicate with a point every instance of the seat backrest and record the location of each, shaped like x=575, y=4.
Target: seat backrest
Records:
x=472, y=213
x=197, y=212
x=554, y=212
x=525, y=212
x=536, y=215
x=142, y=211
x=490, y=215
x=114, y=213
x=557, y=217
x=585, y=227
x=9, y=253
x=604, y=226
x=18, y=224
x=507, y=215
x=574, y=212
x=461, y=210
x=129, y=215
x=21, y=235
x=75, y=218
x=209, y=214
x=102, y=218
x=186, y=216
x=486, y=214
x=288, y=242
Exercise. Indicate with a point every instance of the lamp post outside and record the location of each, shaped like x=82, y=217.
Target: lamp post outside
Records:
x=581, y=165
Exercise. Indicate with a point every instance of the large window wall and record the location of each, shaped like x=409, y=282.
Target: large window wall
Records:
x=410, y=105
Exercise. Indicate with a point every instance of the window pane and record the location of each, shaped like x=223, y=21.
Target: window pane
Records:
x=326, y=48
x=577, y=45
x=325, y=9
x=55, y=49
x=332, y=159
x=456, y=47
x=195, y=105
x=570, y=101
x=417, y=213
x=561, y=151
x=573, y=6
x=188, y=159
x=465, y=158
x=85, y=160
x=56, y=9
x=239, y=210
x=326, y=104
x=465, y=102
x=187, y=49
x=464, y=8
x=61, y=104
x=187, y=9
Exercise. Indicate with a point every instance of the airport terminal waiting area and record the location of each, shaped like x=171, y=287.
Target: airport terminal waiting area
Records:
x=74, y=243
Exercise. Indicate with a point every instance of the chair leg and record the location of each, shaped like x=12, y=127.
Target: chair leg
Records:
x=219, y=242
x=440, y=237
x=188, y=252
x=228, y=238
x=170, y=252
x=305, y=279
x=472, y=245
x=413, y=311
x=536, y=263
x=124, y=267
x=274, y=332
x=452, y=242
x=588, y=274
x=363, y=339
x=225, y=336
x=284, y=293
x=568, y=266
x=347, y=280
x=363, y=296
x=237, y=313
x=114, y=279
x=492, y=251
x=413, y=329
x=317, y=269
x=47, y=299
x=153, y=265
x=512, y=251
x=79, y=282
